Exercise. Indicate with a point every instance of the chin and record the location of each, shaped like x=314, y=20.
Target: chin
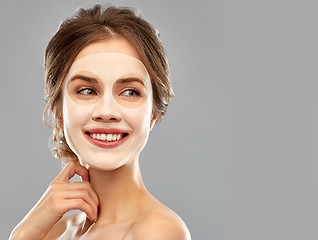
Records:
x=102, y=166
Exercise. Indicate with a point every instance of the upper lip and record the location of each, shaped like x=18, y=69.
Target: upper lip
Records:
x=105, y=130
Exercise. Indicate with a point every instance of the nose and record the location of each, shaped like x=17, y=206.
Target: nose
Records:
x=106, y=110
x=107, y=118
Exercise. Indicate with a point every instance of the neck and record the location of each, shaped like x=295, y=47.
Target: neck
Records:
x=119, y=192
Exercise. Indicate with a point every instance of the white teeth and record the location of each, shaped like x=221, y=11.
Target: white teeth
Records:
x=103, y=136
x=107, y=137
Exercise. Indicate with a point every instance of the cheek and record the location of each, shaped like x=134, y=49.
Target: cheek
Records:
x=75, y=115
x=139, y=118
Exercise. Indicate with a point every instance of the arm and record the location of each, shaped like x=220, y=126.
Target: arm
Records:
x=60, y=197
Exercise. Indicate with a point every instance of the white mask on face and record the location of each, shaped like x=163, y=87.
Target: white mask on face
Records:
x=107, y=109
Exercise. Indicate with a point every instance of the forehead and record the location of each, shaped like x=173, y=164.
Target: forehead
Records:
x=118, y=44
x=109, y=65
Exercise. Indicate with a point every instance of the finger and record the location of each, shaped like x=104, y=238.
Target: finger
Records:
x=85, y=186
x=78, y=194
x=65, y=188
x=72, y=204
x=70, y=170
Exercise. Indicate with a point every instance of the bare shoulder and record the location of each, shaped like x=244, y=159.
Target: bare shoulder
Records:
x=159, y=224
x=64, y=225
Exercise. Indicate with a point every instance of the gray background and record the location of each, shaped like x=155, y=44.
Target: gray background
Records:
x=236, y=155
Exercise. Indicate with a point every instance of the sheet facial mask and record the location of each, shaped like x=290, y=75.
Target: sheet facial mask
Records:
x=107, y=109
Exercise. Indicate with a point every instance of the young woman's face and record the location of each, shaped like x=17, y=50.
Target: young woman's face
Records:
x=107, y=105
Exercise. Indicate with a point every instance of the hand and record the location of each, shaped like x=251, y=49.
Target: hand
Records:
x=60, y=197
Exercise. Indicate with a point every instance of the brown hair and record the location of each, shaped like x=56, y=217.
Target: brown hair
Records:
x=94, y=24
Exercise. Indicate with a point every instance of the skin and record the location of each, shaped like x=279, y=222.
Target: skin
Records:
x=115, y=204
x=96, y=107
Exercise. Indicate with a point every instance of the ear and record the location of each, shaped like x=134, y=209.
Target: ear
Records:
x=153, y=121
x=58, y=118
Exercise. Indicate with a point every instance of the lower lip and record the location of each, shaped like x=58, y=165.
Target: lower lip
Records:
x=104, y=144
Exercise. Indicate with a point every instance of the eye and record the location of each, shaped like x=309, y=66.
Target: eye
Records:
x=86, y=91
x=131, y=93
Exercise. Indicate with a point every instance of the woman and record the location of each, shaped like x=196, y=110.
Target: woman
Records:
x=107, y=84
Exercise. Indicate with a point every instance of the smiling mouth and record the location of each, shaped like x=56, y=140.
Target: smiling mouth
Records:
x=106, y=137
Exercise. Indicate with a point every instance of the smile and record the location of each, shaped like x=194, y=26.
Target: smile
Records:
x=106, y=137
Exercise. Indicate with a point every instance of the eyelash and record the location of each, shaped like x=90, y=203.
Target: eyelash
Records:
x=132, y=90
x=86, y=88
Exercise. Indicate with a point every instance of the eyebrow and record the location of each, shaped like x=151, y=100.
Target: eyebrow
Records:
x=130, y=79
x=85, y=78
